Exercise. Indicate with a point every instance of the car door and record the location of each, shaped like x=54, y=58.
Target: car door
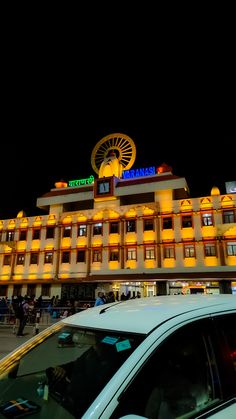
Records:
x=225, y=344
x=180, y=378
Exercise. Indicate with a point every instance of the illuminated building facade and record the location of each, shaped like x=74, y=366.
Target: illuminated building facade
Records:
x=126, y=230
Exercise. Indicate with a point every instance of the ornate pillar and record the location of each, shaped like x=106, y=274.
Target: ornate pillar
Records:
x=221, y=250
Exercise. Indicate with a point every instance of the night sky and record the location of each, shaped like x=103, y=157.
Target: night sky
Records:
x=60, y=98
x=61, y=149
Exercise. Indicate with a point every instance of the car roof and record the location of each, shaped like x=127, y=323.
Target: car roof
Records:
x=141, y=315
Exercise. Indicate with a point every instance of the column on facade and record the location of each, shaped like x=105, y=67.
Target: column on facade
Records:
x=139, y=235
x=57, y=251
x=122, y=244
x=13, y=259
x=105, y=238
x=221, y=251
x=89, y=250
x=158, y=240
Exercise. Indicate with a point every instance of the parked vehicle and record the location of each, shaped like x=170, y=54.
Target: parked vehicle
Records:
x=162, y=357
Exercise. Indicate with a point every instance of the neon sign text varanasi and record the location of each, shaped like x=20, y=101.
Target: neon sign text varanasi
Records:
x=80, y=182
x=146, y=171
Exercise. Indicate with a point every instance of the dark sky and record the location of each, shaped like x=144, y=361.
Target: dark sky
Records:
x=60, y=96
x=60, y=147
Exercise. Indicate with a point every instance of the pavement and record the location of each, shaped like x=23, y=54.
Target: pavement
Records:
x=9, y=341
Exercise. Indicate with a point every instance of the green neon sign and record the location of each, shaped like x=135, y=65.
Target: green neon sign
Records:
x=80, y=182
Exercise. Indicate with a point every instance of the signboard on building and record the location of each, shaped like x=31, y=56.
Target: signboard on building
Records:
x=144, y=171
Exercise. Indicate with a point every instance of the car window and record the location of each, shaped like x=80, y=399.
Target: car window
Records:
x=64, y=371
x=179, y=379
x=226, y=327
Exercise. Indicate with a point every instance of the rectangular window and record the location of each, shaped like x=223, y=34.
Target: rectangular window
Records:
x=149, y=252
x=36, y=234
x=231, y=249
x=20, y=260
x=97, y=255
x=50, y=232
x=7, y=260
x=10, y=236
x=46, y=290
x=48, y=258
x=82, y=230
x=34, y=256
x=228, y=216
x=186, y=221
x=167, y=223
x=226, y=325
x=114, y=227
x=189, y=251
x=130, y=226
x=65, y=257
x=132, y=253
x=66, y=231
x=207, y=219
x=169, y=252
x=210, y=249
x=148, y=224
x=97, y=229
x=114, y=255
x=81, y=256
x=23, y=235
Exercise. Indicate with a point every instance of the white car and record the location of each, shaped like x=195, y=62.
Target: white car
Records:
x=162, y=357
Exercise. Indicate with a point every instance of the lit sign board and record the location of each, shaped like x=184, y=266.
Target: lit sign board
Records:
x=230, y=187
x=80, y=182
x=146, y=171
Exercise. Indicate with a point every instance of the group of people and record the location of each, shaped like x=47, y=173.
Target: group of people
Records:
x=25, y=309
x=103, y=298
x=128, y=296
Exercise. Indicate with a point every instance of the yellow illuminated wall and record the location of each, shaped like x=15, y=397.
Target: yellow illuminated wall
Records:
x=150, y=263
x=169, y=263
x=189, y=262
x=211, y=261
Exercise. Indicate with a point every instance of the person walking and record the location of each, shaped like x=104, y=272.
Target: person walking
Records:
x=22, y=312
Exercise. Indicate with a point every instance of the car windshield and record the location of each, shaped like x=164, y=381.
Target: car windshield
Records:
x=61, y=371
